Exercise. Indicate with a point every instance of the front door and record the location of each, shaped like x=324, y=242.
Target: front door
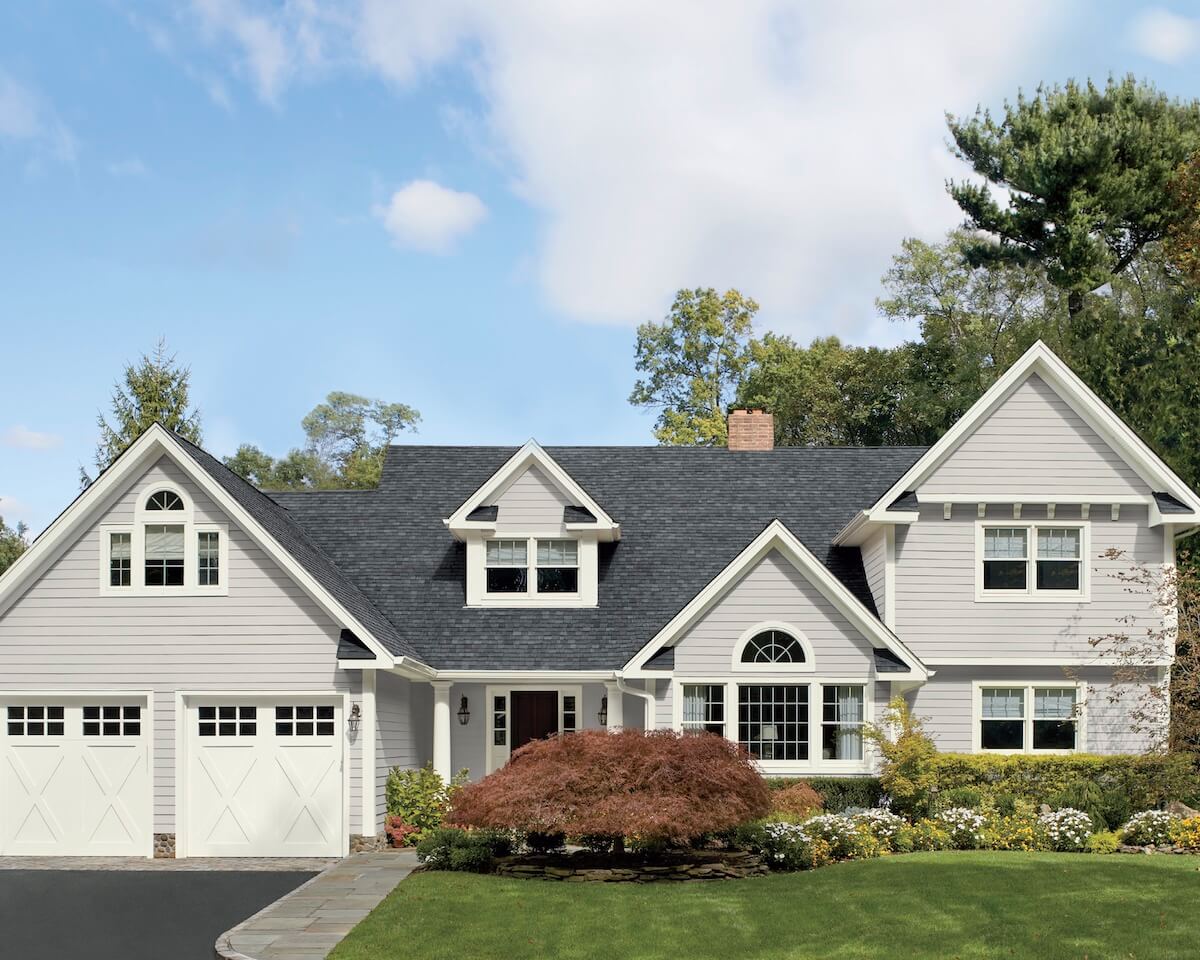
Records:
x=534, y=715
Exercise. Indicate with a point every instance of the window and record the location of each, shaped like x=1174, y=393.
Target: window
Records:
x=499, y=721
x=773, y=721
x=120, y=559
x=39, y=721
x=773, y=646
x=306, y=721
x=164, y=555
x=842, y=716
x=1054, y=721
x=208, y=558
x=164, y=500
x=1002, y=726
x=557, y=566
x=1005, y=558
x=1007, y=723
x=112, y=721
x=227, y=721
x=1058, y=558
x=507, y=566
x=569, y=713
x=704, y=708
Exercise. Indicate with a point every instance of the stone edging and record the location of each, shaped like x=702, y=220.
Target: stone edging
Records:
x=223, y=949
x=729, y=867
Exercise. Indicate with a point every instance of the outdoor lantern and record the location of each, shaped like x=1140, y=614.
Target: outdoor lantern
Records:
x=602, y=715
x=354, y=718
x=464, y=714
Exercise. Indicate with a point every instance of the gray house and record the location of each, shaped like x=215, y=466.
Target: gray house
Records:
x=190, y=665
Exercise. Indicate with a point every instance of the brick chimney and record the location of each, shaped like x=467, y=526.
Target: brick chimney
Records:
x=751, y=430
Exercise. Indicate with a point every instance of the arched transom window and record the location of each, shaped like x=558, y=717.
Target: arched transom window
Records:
x=164, y=500
x=773, y=646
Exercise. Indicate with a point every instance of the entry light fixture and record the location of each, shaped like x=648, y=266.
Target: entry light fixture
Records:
x=355, y=718
x=464, y=712
x=602, y=713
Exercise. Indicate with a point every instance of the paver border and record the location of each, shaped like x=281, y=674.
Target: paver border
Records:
x=224, y=949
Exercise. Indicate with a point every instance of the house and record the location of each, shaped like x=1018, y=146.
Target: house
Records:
x=191, y=666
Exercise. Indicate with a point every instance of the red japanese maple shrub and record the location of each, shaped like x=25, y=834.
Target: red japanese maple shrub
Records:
x=796, y=801
x=660, y=786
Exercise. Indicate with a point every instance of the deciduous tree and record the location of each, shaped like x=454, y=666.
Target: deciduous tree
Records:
x=13, y=542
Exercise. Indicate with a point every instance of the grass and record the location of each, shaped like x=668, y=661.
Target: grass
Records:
x=934, y=905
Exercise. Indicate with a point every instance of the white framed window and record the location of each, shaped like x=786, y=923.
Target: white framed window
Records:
x=120, y=559
x=703, y=708
x=164, y=551
x=208, y=558
x=502, y=727
x=843, y=714
x=1028, y=717
x=507, y=566
x=773, y=647
x=773, y=721
x=557, y=566
x=531, y=567
x=1042, y=561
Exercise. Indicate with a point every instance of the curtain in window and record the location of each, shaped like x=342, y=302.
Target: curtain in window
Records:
x=507, y=552
x=164, y=543
x=693, y=705
x=1003, y=703
x=550, y=552
x=120, y=546
x=1004, y=543
x=1054, y=704
x=1056, y=543
x=850, y=711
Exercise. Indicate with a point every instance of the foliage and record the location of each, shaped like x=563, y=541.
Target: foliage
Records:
x=14, y=541
x=1011, y=832
x=964, y=827
x=799, y=800
x=1149, y=827
x=537, y=841
x=906, y=751
x=1182, y=245
x=788, y=846
x=692, y=364
x=1088, y=796
x=399, y=833
x=1105, y=841
x=924, y=834
x=154, y=390
x=1186, y=832
x=657, y=785
x=1065, y=829
x=838, y=793
x=883, y=825
x=847, y=837
x=1086, y=170
x=474, y=851
x=347, y=441
x=971, y=797
x=421, y=797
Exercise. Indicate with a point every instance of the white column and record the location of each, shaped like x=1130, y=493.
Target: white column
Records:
x=616, y=704
x=366, y=734
x=441, y=729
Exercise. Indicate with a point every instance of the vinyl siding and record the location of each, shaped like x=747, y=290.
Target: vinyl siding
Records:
x=1034, y=443
x=874, y=557
x=531, y=503
x=938, y=616
x=945, y=704
x=772, y=590
x=62, y=634
x=403, y=732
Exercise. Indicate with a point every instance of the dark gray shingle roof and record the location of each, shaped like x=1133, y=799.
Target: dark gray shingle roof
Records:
x=1168, y=504
x=685, y=513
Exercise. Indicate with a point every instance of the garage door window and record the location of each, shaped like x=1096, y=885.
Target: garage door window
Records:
x=35, y=722
x=112, y=721
x=228, y=721
x=306, y=721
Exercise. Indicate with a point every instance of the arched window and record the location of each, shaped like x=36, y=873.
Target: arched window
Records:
x=772, y=646
x=164, y=500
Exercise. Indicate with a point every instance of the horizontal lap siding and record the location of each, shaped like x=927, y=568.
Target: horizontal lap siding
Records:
x=404, y=718
x=773, y=590
x=1034, y=443
x=531, y=503
x=62, y=634
x=874, y=557
x=938, y=616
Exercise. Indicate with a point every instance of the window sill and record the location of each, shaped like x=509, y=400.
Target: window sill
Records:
x=1001, y=596
x=526, y=603
x=164, y=591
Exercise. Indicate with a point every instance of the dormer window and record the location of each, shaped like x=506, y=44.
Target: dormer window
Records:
x=557, y=566
x=507, y=566
x=530, y=567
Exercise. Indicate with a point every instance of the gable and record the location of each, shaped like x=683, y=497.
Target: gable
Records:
x=1034, y=443
x=531, y=502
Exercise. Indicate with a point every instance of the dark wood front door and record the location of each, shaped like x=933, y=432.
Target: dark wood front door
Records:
x=534, y=715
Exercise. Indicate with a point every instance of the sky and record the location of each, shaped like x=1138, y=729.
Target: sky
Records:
x=469, y=206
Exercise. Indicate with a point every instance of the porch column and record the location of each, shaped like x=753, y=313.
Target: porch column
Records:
x=616, y=706
x=441, y=729
x=367, y=753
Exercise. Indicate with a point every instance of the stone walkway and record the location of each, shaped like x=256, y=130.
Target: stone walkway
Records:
x=285, y=864
x=312, y=919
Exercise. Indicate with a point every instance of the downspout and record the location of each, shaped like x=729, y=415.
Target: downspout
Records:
x=651, y=700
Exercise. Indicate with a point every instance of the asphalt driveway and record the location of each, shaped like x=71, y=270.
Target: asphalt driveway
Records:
x=128, y=915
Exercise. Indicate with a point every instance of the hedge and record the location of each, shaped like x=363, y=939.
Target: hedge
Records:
x=839, y=793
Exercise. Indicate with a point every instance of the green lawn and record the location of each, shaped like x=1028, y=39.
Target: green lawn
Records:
x=934, y=905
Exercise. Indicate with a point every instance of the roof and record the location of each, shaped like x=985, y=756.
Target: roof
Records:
x=685, y=513
x=1168, y=504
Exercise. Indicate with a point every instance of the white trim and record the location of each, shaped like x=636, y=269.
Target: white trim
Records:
x=531, y=454
x=366, y=751
x=1031, y=594
x=889, y=578
x=191, y=558
x=1029, y=686
x=530, y=676
x=587, y=565
x=773, y=669
x=496, y=755
x=776, y=536
x=1019, y=661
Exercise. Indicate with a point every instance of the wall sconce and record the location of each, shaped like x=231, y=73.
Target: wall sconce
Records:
x=602, y=713
x=464, y=714
x=355, y=718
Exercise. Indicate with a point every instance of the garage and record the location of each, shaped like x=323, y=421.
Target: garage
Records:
x=264, y=776
x=75, y=775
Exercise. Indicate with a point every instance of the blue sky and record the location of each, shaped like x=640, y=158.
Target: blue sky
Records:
x=469, y=206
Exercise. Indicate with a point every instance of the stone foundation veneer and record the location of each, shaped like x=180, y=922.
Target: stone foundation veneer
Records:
x=164, y=846
x=719, y=866
x=366, y=843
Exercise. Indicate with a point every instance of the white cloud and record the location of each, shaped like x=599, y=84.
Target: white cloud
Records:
x=14, y=511
x=1165, y=36
x=25, y=439
x=26, y=117
x=426, y=216
x=266, y=53
x=129, y=167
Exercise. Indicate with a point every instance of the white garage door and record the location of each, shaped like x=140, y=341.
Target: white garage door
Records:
x=264, y=777
x=75, y=776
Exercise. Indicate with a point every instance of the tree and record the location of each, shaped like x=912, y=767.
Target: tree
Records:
x=155, y=390
x=13, y=543
x=906, y=751
x=347, y=441
x=694, y=361
x=1183, y=236
x=1086, y=173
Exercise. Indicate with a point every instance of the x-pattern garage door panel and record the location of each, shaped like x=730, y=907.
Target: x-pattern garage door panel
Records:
x=68, y=789
x=264, y=779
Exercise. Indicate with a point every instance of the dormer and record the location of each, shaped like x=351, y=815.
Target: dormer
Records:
x=532, y=535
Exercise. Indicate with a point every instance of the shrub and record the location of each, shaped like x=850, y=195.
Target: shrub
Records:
x=847, y=838
x=883, y=825
x=906, y=751
x=658, y=785
x=475, y=851
x=788, y=846
x=1014, y=832
x=1066, y=829
x=1186, y=833
x=420, y=797
x=1149, y=827
x=964, y=827
x=597, y=842
x=796, y=801
x=924, y=834
x=538, y=842
x=1085, y=795
x=1106, y=841
x=969, y=797
x=1005, y=804
x=399, y=833
x=838, y=793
